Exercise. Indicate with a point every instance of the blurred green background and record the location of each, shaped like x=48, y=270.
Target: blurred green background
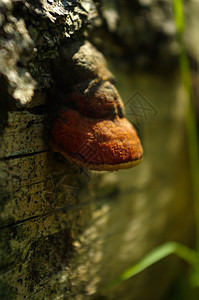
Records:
x=158, y=81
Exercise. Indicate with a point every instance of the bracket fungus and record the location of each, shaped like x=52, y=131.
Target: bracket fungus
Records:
x=90, y=128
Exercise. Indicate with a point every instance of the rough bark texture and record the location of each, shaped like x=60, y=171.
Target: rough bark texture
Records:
x=66, y=231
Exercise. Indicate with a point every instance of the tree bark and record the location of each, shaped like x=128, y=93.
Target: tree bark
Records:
x=67, y=231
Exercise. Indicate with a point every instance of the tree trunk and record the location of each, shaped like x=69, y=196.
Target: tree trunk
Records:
x=67, y=231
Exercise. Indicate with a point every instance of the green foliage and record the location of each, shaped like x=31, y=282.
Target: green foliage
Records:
x=156, y=255
x=179, y=16
x=192, y=133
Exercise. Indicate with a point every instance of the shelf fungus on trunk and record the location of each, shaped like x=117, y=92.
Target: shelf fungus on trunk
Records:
x=91, y=129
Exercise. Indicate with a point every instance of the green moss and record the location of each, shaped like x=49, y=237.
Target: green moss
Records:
x=6, y=291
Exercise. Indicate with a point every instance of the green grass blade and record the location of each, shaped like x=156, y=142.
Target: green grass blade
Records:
x=156, y=255
x=192, y=133
x=179, y=15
